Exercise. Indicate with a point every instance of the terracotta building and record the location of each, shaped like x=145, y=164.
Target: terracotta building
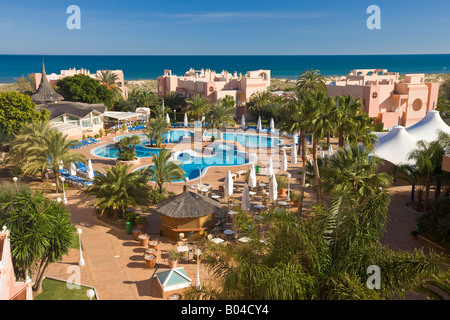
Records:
x=10, y=289
x=386, y=97
x=215, y=86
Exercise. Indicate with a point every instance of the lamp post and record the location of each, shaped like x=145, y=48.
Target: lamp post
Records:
x=90, y=294
x=289, y=185
x=175, y=115
x=81, y=261
x=15, y=181
x=198, y=252
x=64, y=190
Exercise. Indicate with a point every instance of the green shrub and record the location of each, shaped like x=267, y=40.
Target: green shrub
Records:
x=436, y=222
x=282, y=182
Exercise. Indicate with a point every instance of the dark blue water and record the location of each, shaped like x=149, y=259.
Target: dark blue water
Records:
x=150, y=67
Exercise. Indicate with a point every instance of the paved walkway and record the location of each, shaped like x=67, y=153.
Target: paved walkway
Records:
x=114, y=260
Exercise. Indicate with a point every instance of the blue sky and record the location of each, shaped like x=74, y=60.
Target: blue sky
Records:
x=227, y=27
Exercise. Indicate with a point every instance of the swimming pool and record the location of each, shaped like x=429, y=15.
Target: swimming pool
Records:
x=249, y=140
x=174, y=136
x=196, y=165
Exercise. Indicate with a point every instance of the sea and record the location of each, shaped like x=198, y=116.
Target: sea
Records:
x=281, y=66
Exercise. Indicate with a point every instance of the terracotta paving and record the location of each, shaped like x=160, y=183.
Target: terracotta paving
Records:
x=114, y=262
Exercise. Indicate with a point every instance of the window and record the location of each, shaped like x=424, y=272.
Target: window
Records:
x=374, y=95
x=211, y=89
x=417, y=105
x=86, y=123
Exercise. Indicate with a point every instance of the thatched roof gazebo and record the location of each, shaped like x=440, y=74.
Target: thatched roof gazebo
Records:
x=187, y=212
x=45, y=93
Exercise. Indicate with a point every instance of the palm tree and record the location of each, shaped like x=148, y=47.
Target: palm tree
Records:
x=428, y=157
x=127, y=147
x=311, y=80
x=220, y=114
x=155, y=130
x=346, y=116
x=174, y=100
x=197, y=106
x=164, y=170
x=108, y=79
x=325, y=257
x=354, y=170
x=118, y=189
x=28, y=137
x=258, y=101
x=297, y=118
x=54, y=150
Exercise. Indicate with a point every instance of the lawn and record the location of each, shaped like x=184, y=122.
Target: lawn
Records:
x=58, y=290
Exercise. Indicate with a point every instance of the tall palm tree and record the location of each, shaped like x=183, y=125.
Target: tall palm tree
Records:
x=220, y=114
x=155, y=130
x=108, y=79
x=297, y=117
x=174, y=100
x=311, y=80
x=258, y=101
x=28, y=137
x=346, y=116
x=163, y=170
x=428, y=157
x=118, y=189
x=55, y=150
x=197, y=106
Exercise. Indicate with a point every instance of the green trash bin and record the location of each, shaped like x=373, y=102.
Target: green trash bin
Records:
x=128, y=227
x=257, y=168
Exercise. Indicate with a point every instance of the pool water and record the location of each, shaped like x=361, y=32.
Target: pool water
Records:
x=249, y=140
x=174, y=136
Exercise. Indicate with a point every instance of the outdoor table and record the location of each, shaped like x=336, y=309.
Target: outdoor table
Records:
x=232, y=212
x=216, y=197
x=251, y=193
x=262, y=185
x=228, y=233
x=282, y=203
x=204, y=190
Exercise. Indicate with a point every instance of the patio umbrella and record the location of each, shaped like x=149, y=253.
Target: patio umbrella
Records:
x=90, y=170
x=294, y=154
x=167, y=118
x=243, y=121
x=228, y=184
x=185, y=120
x=259, y=125
x=295, y=138
x=245, y=204
x=273, y=186
x=272, y=124
x=330, y=150
x=269, y=168
x=73, y=169
x=252, y=177
x=284, y=164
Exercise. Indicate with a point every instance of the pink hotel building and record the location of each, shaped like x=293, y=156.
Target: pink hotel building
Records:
x=216, y=86
x=386, y=98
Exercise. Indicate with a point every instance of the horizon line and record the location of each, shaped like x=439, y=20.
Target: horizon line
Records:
x=221, y=55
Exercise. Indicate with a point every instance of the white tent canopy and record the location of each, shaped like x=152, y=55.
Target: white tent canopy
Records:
x=396, y=146
x=228, y=184
x=427, y=129
x=273, y=186
x=294, y=154
x=259, y=126
x=243, y=121
x=252, y=177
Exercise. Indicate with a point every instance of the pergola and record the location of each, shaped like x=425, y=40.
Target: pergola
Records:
x=122, y=116
x=187, y=212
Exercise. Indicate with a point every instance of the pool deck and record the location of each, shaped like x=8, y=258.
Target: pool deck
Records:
x=114, y=260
